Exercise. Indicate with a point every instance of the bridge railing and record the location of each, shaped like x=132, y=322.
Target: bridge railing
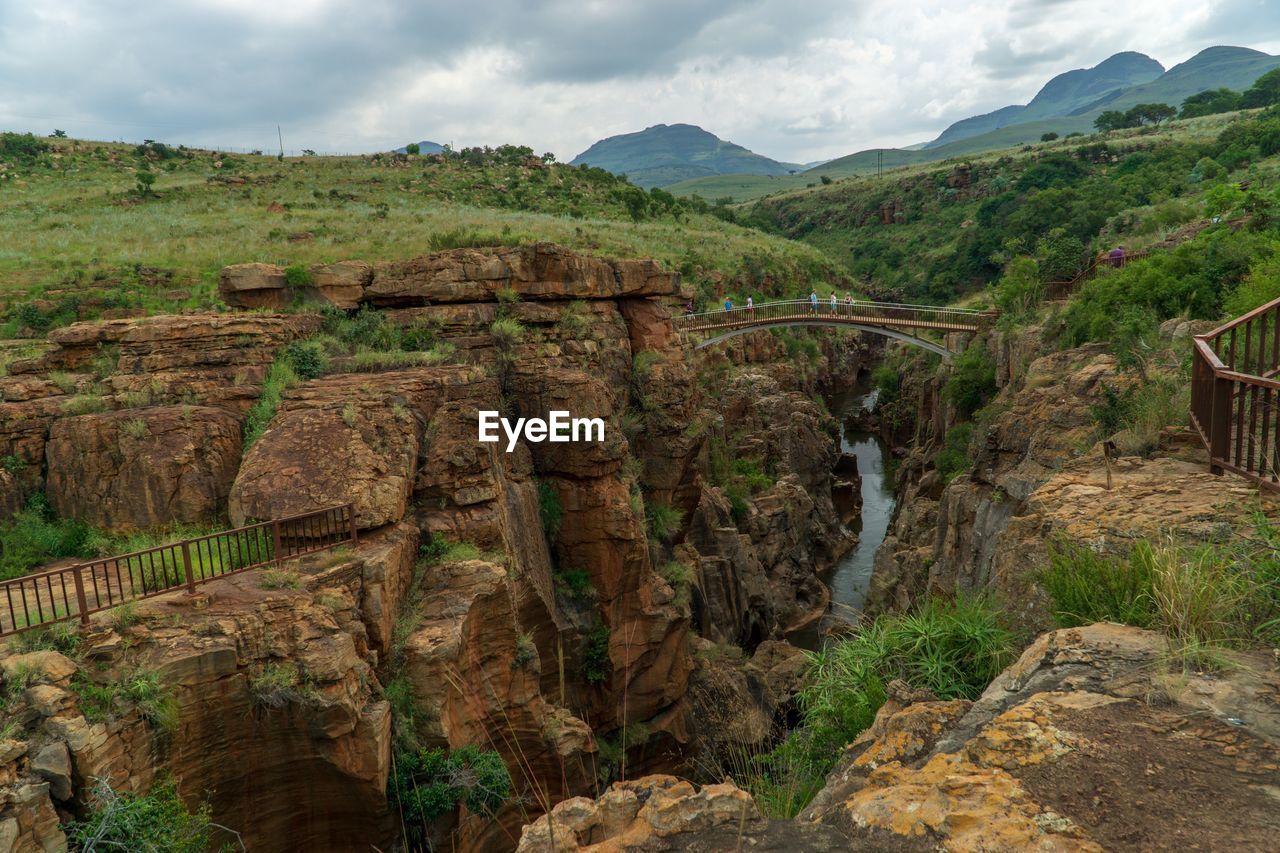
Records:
x=80, y=590
x=1059, y=290
x=872, y=313
x=1235, y=395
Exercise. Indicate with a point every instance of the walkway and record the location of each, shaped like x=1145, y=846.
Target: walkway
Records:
x=901, y=322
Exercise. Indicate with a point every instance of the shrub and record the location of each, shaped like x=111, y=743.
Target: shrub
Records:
x=953, y=458
x=434, y=549
x=307, y=359
x=576, y=583
x=297, y=277
x=152, y=698
x=1260, y=286
x=596, y=663
x=679, y=576
x=549, y=509
x=135, y=428
x=33, y=537
x=279, y=379
x=84, y=404
x=507, y=333
x=885, y=381
x=155, y=821
x=973, y=379
x=1019, y=291
x=280, y=579
x=430, y=783
x=1086, y=587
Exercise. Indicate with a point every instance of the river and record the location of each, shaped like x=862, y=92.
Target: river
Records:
x=852, y=575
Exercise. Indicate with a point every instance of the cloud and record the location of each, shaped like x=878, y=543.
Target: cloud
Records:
x=797, y=81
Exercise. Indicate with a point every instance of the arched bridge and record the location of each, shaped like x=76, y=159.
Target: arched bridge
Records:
x=902, y=322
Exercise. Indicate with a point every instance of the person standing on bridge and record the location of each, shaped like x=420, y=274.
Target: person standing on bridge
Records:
x=1117, y=256
x=813, y=302
x=688, y=308
x=848, y=302
x=834, y=303
x=728, y=305
x=751, y=308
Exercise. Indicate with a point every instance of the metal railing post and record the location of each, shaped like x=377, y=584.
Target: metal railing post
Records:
x=277, y=543
x=82, y=601
x=351, y=514
x=1219, y=425
x=186, y=567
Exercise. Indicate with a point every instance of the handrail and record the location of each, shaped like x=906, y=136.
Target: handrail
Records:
x=1058, y=290
x=78, y=591
x=1235, y=399
x=888, y=314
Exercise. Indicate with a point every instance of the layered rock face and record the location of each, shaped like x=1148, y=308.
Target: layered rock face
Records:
x=1039, y=474
x=137, y=424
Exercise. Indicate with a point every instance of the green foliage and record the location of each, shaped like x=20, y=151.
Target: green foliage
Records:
x=1260, y=286
x=308, y=359
x=1048, y=137
x=155, y=822
x=412, y=148
x=664, y=520
x=953, y=648
x=33, y=537
x=885, y=380
x=972, y=381
x=428, y=784
x=280, y=378
x=1137, y=416
x=23, y=149
x=63, y=637
x=140, y=688
x=279, y=684
x=1264, y=92
x=1209, y=102
x=433, y=550
x=297, y=277
x=953, y=459
x=680, y=577
x=596, y=663
x=144, y=179
x=507, y=332
x=1085, y=586
x=550, y=509
x=1019, y=291
x=575, y=583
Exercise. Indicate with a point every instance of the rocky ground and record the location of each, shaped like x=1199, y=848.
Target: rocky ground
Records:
x=136, y=423
x=1087, y=742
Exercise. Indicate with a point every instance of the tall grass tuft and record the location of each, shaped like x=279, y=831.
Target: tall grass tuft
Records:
x=1086, y=587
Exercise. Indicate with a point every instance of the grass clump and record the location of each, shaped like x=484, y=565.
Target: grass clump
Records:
x=596, y=663
x=155, y=821
x=953, y=459
x=1085, y=586
x=141, y=689
x=664, y=520
x=550, y=510
x=575, y=584
x=280, y=579
x=279, y=684
x=1137, y=416
x=679, y=576
x=280, y=378
x=35, y=537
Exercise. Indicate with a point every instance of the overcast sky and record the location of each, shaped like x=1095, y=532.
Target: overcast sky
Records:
x=796, y=80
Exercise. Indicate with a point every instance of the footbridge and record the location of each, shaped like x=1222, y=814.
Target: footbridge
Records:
x=919, y=325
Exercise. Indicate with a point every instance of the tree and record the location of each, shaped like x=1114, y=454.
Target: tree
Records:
x=412, y=148
x=145, y=178
x=59, y=134
x=1264, y=92
x=1143, y=114
x=1111, y=120
x=1210, y=102
x=1048, y=137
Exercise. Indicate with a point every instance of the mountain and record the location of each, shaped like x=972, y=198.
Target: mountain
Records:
x=1063, y=95
x=424, y=147
x=1230, y=67
x=668, y=153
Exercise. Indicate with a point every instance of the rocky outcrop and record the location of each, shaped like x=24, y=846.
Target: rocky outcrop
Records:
x=660, y=813
x=1081, y=745
x=341, y=284
x=144, y=468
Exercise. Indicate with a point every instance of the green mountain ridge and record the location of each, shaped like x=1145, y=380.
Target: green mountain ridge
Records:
x=1231, y=67
x=663, y=154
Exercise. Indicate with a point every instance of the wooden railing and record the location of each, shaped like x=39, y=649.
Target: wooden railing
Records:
x=80, y=590
x=886, y=314
x=1235, y=396
x=1059, y=290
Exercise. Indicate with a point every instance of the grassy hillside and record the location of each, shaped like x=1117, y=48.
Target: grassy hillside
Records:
x=956, y=228
x=75, y=222
x=667, y=154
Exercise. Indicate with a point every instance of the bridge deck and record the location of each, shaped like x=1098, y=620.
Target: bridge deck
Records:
x=827, y=317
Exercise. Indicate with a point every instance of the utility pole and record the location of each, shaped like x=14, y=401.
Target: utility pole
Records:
x=880, y=163
x=280, y=137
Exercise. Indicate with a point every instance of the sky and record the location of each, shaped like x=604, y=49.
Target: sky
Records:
x=796, y=80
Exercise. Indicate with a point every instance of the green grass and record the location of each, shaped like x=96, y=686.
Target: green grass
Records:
x=1085, y=586
x=157, y=820
x=75, y=237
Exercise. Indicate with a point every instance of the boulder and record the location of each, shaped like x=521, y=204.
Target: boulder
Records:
x=341, y=284
x=254, y=286
x=143, y=468
x=53, y=764
x=46, y=665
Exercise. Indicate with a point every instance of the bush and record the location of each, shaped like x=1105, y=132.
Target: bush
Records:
x=549, y=509
x=953, y=458
x=1260, y=286
x=279, y=379
x=1086, y=587
x=576, y=584
x=507, y=332
x=21, y=148
x=155, y=821
x=428, y=784
x=307, y=358
x=596, y=663
x=972, y=381
x=279, y=684
x=885, y=381
x=1019, y=291
x=33, y=537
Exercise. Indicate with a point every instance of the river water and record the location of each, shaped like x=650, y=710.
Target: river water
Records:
x=852, y=575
